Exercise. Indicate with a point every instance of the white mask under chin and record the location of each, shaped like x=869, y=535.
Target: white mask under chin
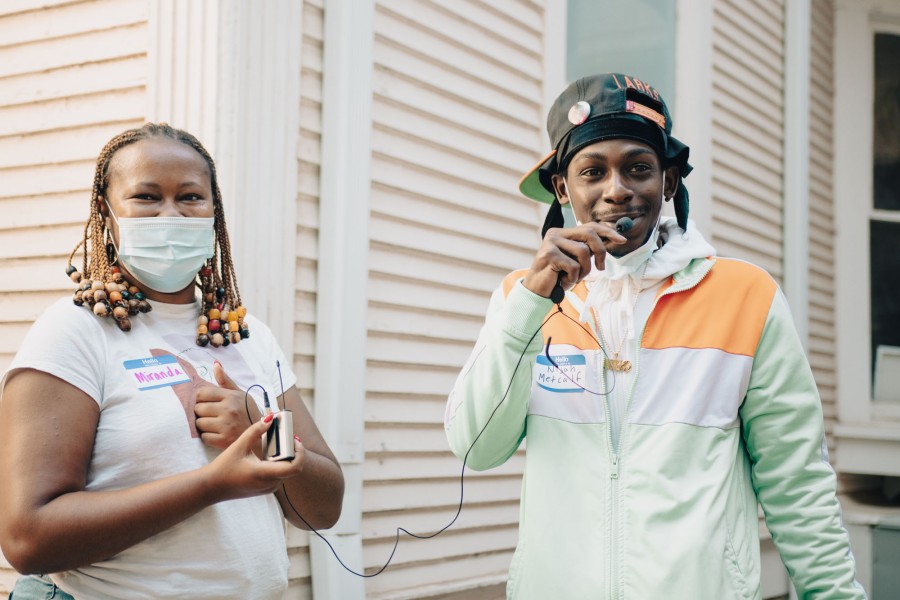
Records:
x=164, y=253
x=619, y=267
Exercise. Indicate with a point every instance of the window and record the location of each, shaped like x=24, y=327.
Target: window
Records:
x=635, y=37
x=884, y=223
x=867, y=235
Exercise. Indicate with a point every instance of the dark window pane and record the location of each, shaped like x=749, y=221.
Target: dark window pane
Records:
x=886, y=151
x=885, y=276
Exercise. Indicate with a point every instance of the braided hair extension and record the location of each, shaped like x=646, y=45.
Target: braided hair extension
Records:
x=101, y=285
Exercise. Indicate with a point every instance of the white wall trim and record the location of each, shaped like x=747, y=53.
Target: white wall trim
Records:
x=797, y=25
x=258, y=133
x=556, y=31
x=796, y=163
x=228, y=71
x=853, y=56
x=693, y=102
x=869, y=449
x=556, y=26
x=341, y=304
x=183, y=80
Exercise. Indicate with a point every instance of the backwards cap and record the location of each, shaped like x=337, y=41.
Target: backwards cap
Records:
x=602, y=107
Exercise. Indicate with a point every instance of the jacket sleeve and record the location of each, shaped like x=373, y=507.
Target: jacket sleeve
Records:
x=796, y=486
x=491, y=393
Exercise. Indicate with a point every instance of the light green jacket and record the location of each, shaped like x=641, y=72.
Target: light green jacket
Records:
x=723, y=412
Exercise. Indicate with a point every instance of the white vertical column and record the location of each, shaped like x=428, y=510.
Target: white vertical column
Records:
x=228, y=71
x=183, y=81
x=258, y=129
x=796, y=163
x=556, y=15
x=556, y=26
x=693, y=102
x=343, y=276
x=853, y=121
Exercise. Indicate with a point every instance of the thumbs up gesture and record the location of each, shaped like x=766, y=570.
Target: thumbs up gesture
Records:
x=221, y=411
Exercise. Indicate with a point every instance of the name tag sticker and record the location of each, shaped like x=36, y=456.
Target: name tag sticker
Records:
x=566, y=379
x=156, y=372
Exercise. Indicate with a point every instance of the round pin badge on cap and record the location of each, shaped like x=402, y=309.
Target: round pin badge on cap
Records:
x=579, y=112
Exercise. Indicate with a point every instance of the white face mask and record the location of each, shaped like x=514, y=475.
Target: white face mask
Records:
x=164, y=253
x=619, y=267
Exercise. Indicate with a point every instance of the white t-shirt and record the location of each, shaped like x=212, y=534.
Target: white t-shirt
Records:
x=143, y=383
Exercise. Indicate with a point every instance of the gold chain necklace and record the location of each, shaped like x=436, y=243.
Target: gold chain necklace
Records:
x=614, y=363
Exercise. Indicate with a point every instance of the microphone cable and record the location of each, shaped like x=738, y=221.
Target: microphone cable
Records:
x=399, y=530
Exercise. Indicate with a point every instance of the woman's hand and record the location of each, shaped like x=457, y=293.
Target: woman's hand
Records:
x=239, y=473
x=222, y=410
x=569, y=251
x=50, y=523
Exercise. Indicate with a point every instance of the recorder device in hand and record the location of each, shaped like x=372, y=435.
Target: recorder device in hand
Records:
x=278, y=443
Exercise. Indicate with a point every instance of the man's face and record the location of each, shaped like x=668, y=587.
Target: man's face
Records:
x=617, y=178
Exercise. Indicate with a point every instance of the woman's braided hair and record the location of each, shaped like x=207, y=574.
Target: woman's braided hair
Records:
x=99, y=270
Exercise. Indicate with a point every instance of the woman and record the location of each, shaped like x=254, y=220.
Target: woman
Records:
x=132, y=460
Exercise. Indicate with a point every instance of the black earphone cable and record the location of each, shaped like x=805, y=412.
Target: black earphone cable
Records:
x=512, y=378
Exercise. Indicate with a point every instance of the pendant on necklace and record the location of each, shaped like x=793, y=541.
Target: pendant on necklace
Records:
x=617, y=365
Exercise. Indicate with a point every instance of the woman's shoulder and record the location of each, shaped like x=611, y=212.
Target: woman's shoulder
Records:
x=68, y=342
x=68, y=314
x=65, y=325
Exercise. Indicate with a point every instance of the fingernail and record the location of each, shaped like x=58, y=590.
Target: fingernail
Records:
x=217, y=363
x=268, y=417
x=297, y=437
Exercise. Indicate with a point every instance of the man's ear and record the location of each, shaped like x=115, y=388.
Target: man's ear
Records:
x=560, y=188
x=673, y=179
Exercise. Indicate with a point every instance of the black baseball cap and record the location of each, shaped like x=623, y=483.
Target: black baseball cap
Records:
x=601, y=107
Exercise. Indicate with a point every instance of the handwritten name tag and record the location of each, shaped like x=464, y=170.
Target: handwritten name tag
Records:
x=155, y=372
x=567, y=379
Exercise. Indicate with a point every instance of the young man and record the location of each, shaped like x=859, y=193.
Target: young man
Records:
x=663, y=397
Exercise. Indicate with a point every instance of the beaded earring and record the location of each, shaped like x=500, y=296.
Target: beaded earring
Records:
x=219, y=324
x=115, y=298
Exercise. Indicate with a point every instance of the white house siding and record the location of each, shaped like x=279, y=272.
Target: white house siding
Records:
x=456, y=119
x=747, y=158
x=72, y=75
x=821, y=214
x=748, y=118
x=308, y=164
x=748, y=136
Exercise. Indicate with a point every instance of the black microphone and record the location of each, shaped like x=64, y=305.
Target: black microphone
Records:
x=624, y=224
x=558, y=294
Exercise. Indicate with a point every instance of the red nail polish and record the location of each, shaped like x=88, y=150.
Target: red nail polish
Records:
x=297, y=437
x=268, y=417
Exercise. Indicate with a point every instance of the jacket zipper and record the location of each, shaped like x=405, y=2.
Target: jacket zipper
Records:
x=613, y=491
x=614, y=589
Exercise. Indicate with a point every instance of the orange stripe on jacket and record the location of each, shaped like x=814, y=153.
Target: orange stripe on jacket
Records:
x=727, y=311
x=511, y=280
x=564, y=331
x=561, y=329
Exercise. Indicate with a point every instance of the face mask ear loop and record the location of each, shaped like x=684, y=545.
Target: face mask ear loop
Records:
x=655, y=230
x=111, y=213
x=569, y=203
x=568, y=195
x=112, y=240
